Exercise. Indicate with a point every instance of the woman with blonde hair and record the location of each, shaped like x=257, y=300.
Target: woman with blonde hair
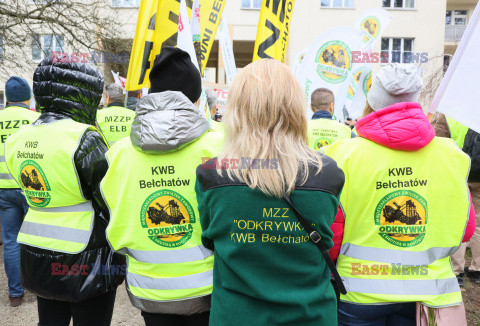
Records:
x=267, y=271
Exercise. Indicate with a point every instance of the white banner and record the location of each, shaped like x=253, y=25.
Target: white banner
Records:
x=457, y=96
x=360, y=98
x=299, y=60
x=328, y=64
x=227, y=50
x=373, y=23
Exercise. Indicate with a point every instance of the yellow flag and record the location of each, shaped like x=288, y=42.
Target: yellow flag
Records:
x=273, y=29
x=210, y=16
x=157, y=26
x=142, y=55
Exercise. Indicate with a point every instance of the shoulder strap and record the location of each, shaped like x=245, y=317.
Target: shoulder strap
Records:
x=316, y=238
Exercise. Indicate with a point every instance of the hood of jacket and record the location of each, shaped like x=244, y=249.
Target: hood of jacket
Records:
x=165, y=122
x=402, y=126
x=69, y=89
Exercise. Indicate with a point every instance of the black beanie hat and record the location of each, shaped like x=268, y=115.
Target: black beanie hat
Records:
x=173, y=70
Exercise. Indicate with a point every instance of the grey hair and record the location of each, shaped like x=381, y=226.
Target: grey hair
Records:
x=115, y=92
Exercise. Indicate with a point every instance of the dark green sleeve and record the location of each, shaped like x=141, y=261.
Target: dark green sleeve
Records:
x=204, y=216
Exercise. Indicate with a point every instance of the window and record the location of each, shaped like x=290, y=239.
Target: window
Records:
x=337, y=3
x=126, y=3
x=43, y=45
x=399, y=4
x=397, y=50
x=456, y=17
x=251, y=4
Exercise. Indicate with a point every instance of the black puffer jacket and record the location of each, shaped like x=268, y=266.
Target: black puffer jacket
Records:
x=73, y=91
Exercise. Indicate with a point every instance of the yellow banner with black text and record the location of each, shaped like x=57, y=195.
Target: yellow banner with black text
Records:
x=273, y=29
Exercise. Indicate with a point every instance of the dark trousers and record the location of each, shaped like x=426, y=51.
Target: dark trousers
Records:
x=176, y=320
x=95, y=311
x=396, y=314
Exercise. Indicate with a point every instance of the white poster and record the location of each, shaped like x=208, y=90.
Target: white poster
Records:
x=227, y=50
x=373, y=23
x=328, y=64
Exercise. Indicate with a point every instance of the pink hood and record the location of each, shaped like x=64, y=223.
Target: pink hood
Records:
x=402, y=126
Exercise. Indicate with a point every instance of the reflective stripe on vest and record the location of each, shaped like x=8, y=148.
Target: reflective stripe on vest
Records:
x=168, y=257
x=398, y=221
x=402, y=287
x=191, y=281
x=6, y=176
x=425, y=257
x=60, y=218
x=2, y=158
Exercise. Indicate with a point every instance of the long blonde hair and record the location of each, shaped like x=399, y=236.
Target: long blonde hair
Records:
x=266, y=120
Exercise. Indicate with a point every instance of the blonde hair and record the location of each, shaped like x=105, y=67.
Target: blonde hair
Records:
x=368, y=109
x=266, y=119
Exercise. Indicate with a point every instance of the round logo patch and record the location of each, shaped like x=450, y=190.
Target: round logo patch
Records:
x=367, y=83
x=371, y=25
x=35, y=183
x=353, y=85
x=334, y=62
x=324, y=141
x=401, y=218
x=167, y=217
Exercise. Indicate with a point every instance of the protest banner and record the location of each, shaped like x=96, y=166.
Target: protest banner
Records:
x=226, y=47
x=328, y=63
x=457, y=95
x=273, y=29
x=373, y=23
x=210, y=16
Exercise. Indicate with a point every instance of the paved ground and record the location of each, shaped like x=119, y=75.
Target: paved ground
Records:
x=26, y=315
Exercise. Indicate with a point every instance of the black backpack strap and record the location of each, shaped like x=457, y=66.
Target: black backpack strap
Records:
x=316, y=238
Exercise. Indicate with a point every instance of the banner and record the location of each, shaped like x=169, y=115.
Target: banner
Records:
x=328, y=64
x=359, y=100
x=142, y=55
x=227, y=51
x=210, y=15
x=195, y=24
x=457, y=96
x=299, y=60
x=273, y=29
x=373, y=23
x=157, y=26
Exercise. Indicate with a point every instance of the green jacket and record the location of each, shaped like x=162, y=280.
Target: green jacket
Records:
x=266, y=271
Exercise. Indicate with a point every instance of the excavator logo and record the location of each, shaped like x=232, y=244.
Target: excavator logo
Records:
x=401, y=218
x=319, y=143
x=168, y=218
x=34, y=183
x=334, y=61
x=371, y=27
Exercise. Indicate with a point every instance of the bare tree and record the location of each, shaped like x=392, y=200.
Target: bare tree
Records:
x=80, y=25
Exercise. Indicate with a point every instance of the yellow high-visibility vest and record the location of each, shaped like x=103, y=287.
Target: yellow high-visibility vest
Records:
x=11, y=119
x=115, y=123
x=405, y=214
x=154, y=220
x=59, y=218
x=323, y=132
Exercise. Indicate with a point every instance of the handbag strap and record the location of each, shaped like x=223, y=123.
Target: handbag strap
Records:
x=316, y=238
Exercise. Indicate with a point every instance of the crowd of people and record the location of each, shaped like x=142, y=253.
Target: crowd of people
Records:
x=229, y=223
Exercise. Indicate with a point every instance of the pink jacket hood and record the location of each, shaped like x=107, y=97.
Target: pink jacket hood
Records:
x=402, y=126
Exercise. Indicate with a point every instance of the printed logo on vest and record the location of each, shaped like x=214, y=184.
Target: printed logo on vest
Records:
x=401, y=217
x=35, y=184
x=334, y=62
x=372, y=26
x=320, y=142
x=167, y=217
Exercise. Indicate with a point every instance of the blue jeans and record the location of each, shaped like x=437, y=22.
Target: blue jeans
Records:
x=395, y=314
x=13, y=208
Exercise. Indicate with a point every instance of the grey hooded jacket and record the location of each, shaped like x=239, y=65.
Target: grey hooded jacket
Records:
x=166, y=122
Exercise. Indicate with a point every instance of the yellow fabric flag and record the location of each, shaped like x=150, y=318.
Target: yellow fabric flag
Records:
x=157, y=26
x=142, y=56
x=273, y=29
x=210, y=16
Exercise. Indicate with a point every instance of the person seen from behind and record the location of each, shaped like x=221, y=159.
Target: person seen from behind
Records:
x=323, y=130
x=115, y=121
x=268, y=273
x=58, y=161
x=154, y=216
x=13, y=205
x=405, y=210
x=132, y=99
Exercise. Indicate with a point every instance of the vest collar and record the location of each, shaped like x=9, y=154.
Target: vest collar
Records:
x=16, y=104
x=322, y=115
